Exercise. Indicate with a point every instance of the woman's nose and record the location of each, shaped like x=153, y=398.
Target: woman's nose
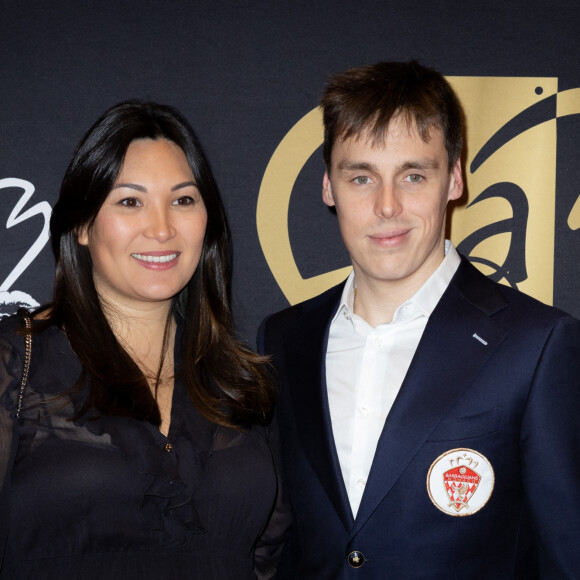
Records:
x=159, y=224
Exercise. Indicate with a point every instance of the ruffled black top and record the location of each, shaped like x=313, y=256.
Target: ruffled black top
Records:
x=113, y=498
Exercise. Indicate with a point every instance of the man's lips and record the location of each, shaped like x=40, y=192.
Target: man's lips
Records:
x=390, y=239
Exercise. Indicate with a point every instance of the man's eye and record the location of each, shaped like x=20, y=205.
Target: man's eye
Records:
x=362, y=179
x=414, y=178
x=184, y=200
x=130, y=202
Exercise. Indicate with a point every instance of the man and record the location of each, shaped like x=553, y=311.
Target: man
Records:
x=429, y=416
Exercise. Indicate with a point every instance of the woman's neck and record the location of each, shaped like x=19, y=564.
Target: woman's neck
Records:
x=141, y=332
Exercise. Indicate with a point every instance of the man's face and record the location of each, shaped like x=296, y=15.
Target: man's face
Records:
x=391, y=199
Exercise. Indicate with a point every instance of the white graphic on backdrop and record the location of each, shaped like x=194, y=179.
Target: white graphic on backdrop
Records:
x=11, y=300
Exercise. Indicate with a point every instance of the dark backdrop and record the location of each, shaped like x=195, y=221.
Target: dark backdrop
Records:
x=245, y=73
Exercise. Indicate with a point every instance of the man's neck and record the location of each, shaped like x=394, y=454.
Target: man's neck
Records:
x=377, y=304
x=376, y=301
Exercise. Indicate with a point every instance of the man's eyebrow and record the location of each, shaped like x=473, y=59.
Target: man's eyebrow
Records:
x=348, y=165
x=423, y=164
x=142, y=189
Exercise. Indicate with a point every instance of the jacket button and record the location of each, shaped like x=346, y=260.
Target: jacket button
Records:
x=356, y=559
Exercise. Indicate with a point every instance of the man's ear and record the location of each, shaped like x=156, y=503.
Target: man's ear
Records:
x=327, y=196
x=82, y=234
x=455, y=182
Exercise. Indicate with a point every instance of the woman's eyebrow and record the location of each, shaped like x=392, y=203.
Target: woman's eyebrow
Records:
x=130, y=186
x=143, y=189
x=184, y=184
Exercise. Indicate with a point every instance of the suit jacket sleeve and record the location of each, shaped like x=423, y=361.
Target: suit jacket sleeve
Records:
x=271, y=543
x=550, y=444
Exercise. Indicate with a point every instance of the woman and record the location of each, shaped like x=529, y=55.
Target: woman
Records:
x=139, y=446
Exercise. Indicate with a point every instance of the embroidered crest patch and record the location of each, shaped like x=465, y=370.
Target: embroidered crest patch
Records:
x=460, y=482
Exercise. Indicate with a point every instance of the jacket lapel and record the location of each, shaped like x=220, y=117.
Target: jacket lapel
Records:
x=305, y=355
x=459, y=338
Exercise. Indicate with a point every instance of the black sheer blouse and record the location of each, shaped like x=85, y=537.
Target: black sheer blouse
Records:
x=113, y=498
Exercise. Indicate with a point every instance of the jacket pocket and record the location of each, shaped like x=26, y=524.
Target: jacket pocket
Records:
x=468, y=426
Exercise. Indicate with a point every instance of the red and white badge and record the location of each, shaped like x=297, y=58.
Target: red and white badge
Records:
x=460, y=482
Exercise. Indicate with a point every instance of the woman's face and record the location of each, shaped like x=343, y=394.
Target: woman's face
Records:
x=147, y=238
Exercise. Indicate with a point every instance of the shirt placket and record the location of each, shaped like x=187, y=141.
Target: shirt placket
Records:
x=367, y=417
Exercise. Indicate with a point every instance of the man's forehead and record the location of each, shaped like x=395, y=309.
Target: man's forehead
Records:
x=400, y=125
x=398, y=135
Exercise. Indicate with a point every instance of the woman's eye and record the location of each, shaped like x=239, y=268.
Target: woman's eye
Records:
x=362, y=179
x=130, y=202
x=184, y=200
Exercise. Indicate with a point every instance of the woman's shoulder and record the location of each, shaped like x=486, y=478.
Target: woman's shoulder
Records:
x=11, y=324
x=11, y=359
x=52, y=361
x=13, y=330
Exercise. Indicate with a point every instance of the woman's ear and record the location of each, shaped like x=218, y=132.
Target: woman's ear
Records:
x=82, y=234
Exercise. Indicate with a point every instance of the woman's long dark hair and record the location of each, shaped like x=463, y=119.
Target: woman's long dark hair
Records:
x=227, y=382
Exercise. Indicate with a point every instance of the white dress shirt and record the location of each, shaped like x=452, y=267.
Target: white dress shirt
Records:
x=366, y=366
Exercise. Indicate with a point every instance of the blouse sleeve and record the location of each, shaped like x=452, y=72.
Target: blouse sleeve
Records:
x=271, y=544
x=10, y=375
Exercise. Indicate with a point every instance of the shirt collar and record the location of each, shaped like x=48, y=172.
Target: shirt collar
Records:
x=424, y=300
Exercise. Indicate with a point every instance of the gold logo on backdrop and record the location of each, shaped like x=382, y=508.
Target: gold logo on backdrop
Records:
x=569, y=104
x=506, y=226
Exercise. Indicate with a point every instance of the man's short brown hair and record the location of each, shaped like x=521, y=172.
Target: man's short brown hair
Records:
x=364, y=100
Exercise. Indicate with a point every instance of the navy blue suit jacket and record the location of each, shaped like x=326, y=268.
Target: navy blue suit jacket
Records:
x=514, y=399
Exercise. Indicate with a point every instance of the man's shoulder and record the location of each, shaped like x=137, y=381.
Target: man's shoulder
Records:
x=316, y=310
x=495, y=298
x=329, y=298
